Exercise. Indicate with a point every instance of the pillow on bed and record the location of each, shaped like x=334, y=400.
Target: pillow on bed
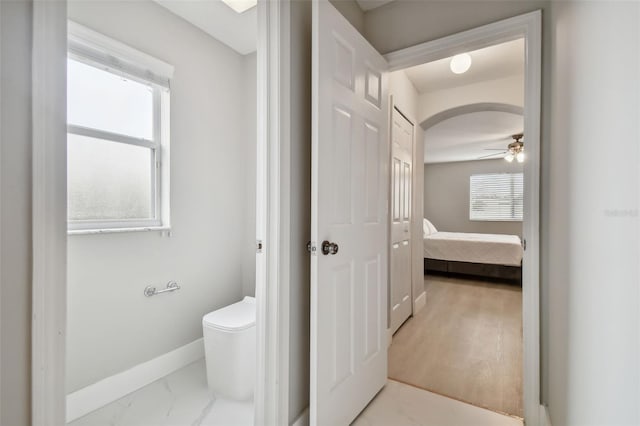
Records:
x=425, y=228
x=428, y=228
x=431, y=227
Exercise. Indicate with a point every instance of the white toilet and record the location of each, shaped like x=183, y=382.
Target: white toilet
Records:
x=230, y=349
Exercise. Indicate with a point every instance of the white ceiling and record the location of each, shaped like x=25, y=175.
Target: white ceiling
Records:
x=469, y=136
x=236, y=30
x=366, y=5
x=490, y=63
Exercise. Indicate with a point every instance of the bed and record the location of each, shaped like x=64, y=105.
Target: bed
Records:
x=487, y=255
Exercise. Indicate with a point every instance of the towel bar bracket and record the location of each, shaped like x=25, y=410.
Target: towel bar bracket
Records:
x=152, y=291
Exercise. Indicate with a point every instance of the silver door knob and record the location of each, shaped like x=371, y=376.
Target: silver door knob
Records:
x=329, y=248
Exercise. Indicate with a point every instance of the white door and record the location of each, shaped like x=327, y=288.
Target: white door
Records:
x=401, y=171
x=350, y=153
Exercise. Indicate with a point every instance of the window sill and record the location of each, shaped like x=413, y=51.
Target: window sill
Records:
x=117, y=230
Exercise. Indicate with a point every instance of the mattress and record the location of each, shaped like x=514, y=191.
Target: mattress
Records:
x=492, y=249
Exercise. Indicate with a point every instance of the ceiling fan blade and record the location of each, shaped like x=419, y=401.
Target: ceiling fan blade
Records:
x=492, y=155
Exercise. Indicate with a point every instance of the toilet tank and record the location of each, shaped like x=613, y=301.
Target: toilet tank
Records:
x=230, y=349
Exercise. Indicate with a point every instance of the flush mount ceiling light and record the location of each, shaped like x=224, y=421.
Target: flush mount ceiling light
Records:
x=460, y=63
x=240, y=5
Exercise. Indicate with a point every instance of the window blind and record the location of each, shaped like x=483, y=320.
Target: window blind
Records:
x=496, y=197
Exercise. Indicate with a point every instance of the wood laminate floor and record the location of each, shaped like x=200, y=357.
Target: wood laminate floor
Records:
x=466, y=343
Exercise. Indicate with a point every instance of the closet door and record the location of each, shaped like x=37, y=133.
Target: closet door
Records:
x=401, y=204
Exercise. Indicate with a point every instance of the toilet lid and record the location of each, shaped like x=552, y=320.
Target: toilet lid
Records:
x=235, y=317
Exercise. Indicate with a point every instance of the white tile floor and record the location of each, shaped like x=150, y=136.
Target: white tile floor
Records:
x=180, y=399
x=398, y=404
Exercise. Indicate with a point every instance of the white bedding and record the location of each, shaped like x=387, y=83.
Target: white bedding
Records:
x=475, y=248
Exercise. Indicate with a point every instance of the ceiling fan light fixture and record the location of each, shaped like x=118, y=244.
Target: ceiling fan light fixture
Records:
x=514, y=151
x=460, y=63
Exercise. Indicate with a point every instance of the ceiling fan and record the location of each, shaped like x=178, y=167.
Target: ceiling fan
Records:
x=515, y=150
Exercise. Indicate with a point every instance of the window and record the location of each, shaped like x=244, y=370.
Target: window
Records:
x=496, y=197
x=117, y=136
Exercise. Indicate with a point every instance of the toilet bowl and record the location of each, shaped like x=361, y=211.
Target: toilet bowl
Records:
x=230, y=349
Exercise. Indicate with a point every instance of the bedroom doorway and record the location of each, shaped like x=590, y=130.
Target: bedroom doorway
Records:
x=465, y=338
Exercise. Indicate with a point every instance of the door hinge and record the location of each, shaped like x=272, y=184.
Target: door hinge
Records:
x=311, y=247
x=258, y=246
x=524, y=245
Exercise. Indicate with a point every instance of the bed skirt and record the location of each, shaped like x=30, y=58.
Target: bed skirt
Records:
x=501, y=272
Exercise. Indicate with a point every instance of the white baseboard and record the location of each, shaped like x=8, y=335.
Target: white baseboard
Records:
x=420, y=302
x=545, y=420
x=92, y=397
x=303, y=419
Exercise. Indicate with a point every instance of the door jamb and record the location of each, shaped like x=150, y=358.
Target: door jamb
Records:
x=49, y=214
x=273, y=213
x=527, y=26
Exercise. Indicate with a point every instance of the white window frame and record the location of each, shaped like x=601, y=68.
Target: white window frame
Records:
x=493, y=219
x=94, y=49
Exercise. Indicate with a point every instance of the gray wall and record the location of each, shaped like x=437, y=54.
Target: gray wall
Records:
x=111, y=325
x=593, y=330
x=250, y=127
x=350, y=10
x=405, y=23
x=300, y=199
x=15, y=213
x=446, y=196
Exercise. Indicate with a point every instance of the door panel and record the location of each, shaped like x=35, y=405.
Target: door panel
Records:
x=373, y=319
x=402, y=164
x=372, y=173
x=342, y=324
x=342, y=123
x=350, y=198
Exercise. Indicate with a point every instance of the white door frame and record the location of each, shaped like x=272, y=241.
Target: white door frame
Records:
x=527, y=26
x=49, y=192
x=273, y=213
x=48, y=395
